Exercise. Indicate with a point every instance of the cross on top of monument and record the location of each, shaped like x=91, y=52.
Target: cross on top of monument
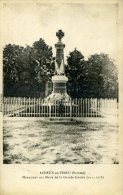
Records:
x=60, y=34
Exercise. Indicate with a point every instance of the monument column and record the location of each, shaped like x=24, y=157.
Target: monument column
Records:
x=59, y=79
x=60, y=53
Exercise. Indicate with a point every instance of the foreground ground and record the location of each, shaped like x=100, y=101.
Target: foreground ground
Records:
x=31, y=141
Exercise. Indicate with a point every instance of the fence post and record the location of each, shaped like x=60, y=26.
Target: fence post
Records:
x=95, y=107
x=8, y=105
x=65, y=108
x=86, y=107
x=17, y=106
x=55, y=108
x=12, y=106
x=49, y=110
x=39, y=106
x=27, y=102
x=79, y=107
x=3, y=105
x=70, y=107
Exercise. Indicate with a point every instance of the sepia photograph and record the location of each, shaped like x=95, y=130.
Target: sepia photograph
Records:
x=60, y=83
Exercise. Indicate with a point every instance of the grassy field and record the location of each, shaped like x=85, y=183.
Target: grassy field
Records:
x=35, y=142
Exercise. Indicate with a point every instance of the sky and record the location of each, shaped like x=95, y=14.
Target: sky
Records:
x=91, y=28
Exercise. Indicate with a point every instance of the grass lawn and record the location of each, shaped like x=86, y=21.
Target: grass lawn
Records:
x=35, y=142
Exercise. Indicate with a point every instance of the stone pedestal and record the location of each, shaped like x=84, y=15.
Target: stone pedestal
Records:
x=59, y=84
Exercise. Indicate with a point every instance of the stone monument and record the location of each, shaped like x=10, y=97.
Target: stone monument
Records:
x=59, y=79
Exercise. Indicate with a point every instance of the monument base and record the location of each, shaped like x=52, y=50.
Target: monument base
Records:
x=54, y=97
x=59, y=89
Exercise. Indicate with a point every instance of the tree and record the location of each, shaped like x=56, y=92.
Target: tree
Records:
x=43, y=57
x=75, y=71
x=97, y=77
x=102, y=76
x=27, y=69
x=12, y=62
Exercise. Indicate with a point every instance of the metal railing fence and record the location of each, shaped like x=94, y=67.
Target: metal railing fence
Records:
x=37, y=107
